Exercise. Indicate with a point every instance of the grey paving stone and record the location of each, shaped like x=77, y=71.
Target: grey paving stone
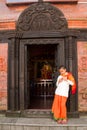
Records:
x=7, y=120
x=5, y=127
x=31, y=128
x=81, y=128
x=12, y=127
x=44, y=128
x=19, y=127
x=58, y=128
x=72, y=128
x=0, y=127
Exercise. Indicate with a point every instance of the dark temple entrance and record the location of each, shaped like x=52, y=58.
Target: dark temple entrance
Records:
x=41, y=42
x=41, y=65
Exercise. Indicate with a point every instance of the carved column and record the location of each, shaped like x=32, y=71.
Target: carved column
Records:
x=17, y=73
x=70, y=69
x=60, y=53
x=21, y=76
x=75, y=71
x=70, y=54
x=26, y=80
x=11, y=74
x=72, y=62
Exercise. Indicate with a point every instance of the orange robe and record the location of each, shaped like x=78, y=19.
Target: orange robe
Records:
x=59, y=107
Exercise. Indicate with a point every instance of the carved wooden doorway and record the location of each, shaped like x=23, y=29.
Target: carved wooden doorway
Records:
x=38, y=24
x=37, y=63
x=45, y=26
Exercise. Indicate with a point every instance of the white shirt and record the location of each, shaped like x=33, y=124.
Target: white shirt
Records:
x=63, y=87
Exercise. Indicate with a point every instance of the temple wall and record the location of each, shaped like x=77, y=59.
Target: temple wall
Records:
x=3, y=75
x=76, y=15
x=82, y=75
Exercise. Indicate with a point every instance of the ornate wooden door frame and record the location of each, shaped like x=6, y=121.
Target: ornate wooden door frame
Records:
x=66, y=43
x=43, y=23
x=22, y=65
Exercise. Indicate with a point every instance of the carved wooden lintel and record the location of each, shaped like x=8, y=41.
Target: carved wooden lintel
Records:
x=41, y=17
x=40, y=1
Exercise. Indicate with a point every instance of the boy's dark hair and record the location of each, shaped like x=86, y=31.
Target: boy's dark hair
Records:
x=62, y=66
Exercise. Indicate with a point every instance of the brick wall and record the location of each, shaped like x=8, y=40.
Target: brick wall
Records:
x=7, y=25
x=82, y=75
x=76, y=14
x=3, y=76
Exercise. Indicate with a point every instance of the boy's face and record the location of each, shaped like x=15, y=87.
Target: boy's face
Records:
x=62, y=71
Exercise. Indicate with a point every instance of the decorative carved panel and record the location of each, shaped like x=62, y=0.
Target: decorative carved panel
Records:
x=41, y=17
x=41, y=41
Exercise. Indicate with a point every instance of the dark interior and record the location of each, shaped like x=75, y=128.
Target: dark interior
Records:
x=41, y=65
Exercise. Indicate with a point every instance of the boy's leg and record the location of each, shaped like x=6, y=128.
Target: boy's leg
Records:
x=63, y=107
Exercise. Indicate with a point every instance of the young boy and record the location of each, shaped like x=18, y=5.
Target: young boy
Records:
x=64, y=80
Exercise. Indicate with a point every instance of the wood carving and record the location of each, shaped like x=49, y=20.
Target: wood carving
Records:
x=41, y=17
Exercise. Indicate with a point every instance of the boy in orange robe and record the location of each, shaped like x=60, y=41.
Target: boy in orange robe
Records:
x=64, y=80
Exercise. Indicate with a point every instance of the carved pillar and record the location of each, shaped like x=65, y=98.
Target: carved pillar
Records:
x=21, y=76
x=11, y=74
x=70, y=54
x=70, y=69
x=72, y=63
x=26, y=80
x=60, y=53
x=17, y=73
x=75, y=71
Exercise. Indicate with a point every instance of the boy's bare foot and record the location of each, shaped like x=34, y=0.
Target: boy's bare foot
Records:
x=64, y=121
x=59, y=121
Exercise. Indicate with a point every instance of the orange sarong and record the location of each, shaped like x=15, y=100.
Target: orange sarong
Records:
x=59, y=107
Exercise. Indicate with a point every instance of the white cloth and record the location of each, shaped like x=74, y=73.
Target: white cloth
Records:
x=63, y=87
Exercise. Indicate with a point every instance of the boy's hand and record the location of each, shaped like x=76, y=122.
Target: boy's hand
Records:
x=60, y=80
x=65, y=78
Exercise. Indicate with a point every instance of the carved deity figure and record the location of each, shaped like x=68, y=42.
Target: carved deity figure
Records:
x=46, y=71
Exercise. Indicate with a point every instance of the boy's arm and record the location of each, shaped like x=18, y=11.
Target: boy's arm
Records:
x=59, y=79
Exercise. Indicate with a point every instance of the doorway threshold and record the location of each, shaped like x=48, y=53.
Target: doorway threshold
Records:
x=30, y=113
x=35, y=113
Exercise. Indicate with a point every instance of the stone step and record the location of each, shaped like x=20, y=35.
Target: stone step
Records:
x=37, y=113
x=30, y=127
x=19, y=123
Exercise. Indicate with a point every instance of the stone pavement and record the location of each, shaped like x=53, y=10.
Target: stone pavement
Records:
x=19, y=123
